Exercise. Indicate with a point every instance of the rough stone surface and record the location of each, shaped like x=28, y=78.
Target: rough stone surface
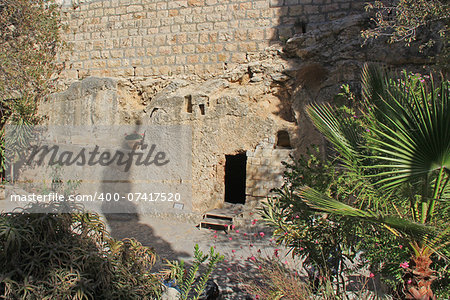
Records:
x=170, y=294
x=241, y=109
x=228, y=115
x=122, y=38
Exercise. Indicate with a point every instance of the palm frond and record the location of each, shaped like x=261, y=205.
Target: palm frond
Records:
x=322, y=202
x=414, y=139
x=337, y=129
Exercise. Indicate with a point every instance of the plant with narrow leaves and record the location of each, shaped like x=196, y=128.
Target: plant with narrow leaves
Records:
x=189, y=282
x=214, y=259
x=325, y=241
x=71, y=256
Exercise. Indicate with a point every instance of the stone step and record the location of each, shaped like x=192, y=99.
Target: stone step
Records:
x=214, y=223
x=218, y=216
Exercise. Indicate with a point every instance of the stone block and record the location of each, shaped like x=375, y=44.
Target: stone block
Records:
x=276, y=3
x=330, y=7
x=231, y=47
x=177, y=4
x=134, y=8
x=311, y=9
x=253, y=14
x=256, y=161
x=223, y=57
x=266, y=161
x=220, y=25
x=196, y=2
x=266, y=152
x=178, y=49
x=205, y=26
x=165, y=50
x=159, y=60
x=260, y=192
x=113, y=63
x=248, y=46
x=192, y=59
x=189, y=49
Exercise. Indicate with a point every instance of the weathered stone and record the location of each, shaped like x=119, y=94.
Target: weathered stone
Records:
x=237, y=105
x=170, y=294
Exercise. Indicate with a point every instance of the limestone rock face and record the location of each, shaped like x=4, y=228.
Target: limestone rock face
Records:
x=246, y=110
x=88, y=102
x=341, y=40
x=229, y=115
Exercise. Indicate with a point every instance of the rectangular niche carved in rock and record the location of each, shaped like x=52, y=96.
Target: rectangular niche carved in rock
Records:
x=202, y=109
x=188, y=100
x=235, y=175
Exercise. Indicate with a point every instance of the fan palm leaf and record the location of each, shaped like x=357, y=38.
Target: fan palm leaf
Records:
x=322, y=202
x=408, y=148
x=415, y=139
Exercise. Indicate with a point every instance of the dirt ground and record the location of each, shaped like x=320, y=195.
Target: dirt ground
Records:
x=174, y=239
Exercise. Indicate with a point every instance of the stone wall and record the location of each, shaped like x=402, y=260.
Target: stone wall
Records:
x=209, y=64
x=125, y=38
x=265, y=169
x=236, y=113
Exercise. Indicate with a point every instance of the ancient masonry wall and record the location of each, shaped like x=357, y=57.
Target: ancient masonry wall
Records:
x=215, y=55
x=265, y=169
x=125, y=38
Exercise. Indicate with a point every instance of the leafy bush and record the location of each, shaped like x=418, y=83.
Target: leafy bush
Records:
x=30, y=43
x=324, y=239
x=62, y=256
x=425, y=21
x=388, y=177
x=400, y=160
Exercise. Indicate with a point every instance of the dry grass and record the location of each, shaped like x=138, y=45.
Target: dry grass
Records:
x=273, y=280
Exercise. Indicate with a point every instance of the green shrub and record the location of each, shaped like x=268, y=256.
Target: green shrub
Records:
x=324, y=240
x=192, y=282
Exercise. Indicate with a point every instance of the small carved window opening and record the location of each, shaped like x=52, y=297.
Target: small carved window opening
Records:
x=283, y=140
x=188, y=104
x=202, y=109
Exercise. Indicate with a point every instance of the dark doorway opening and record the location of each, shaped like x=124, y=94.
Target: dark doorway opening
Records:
x=235, y=174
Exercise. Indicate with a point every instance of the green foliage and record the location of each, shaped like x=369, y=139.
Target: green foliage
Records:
x=402, y=19
x=30, y=43
x=406, y=140
x=401, y=160
x=71, y=256
x=190, y=283
x=408, y=20
x=323, y=239
x=387, y=177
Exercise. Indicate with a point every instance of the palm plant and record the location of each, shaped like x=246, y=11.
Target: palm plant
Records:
x=400, y=159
